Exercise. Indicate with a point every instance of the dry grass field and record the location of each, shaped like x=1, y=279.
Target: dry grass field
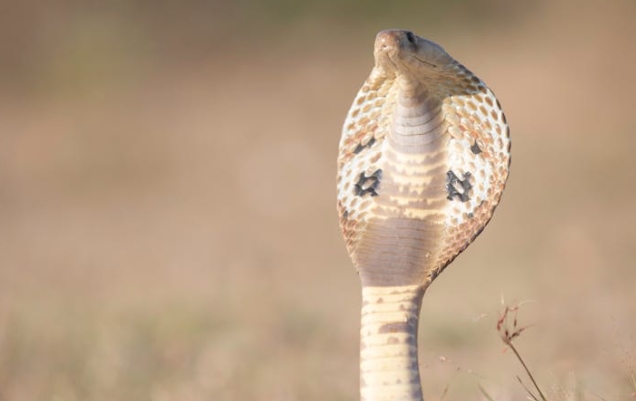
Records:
x=167, y=201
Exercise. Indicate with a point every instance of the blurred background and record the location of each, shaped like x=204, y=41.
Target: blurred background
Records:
x=167, y=200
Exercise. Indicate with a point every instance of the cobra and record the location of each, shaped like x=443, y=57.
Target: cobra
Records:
x=423, y=160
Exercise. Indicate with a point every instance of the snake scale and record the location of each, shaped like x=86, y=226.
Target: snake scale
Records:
x=423, y=160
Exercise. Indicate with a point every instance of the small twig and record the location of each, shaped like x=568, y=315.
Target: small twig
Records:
x=507, y=335
x=485, y=394
x=527, y=371
x=444, y=393
x=527, y=389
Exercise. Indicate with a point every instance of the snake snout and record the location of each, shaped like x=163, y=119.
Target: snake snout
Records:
x=395, y=39
x=392, y=46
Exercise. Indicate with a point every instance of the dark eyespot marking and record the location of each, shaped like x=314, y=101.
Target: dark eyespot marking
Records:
x=458, y=189
x=475, y=148
x=362, y=147
x=368, y=185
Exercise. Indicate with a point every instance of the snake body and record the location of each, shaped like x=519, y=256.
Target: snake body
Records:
x=423, y=160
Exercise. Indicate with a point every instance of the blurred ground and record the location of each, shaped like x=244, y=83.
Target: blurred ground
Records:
x=167, y=190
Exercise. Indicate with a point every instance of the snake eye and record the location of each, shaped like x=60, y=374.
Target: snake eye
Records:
x=410, y=37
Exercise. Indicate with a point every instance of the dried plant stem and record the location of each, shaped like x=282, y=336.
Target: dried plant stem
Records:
x=485, y=394
x=508, y=334
x=512, y=347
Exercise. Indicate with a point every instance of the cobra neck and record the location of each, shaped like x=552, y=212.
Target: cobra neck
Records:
x=389, y=369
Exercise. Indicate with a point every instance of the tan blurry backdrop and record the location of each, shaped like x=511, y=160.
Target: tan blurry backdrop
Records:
x=167, y=200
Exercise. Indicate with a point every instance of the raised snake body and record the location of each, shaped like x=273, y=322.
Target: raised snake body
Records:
x=423, y=160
